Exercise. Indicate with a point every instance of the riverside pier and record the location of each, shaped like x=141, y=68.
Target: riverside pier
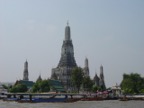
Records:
x=43, y=97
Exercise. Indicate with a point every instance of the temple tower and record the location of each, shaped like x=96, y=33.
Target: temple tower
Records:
x=67, y=52
x=86, y=68
x=39, y=78
x=25, y=73
x=101, y=73
x=96, y=80
x=102, y=82
x=99, y=81
x=67, y=61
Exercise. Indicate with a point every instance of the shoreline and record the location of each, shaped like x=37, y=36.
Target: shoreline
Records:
x=62, y=98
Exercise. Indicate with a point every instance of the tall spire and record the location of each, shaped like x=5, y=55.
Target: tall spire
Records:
x=67, y=52
x=86, y=62
x=67, y=32
x=25, y=73
x=86, y=68
x=67, y=23
x=102, y=82
x=101, y=72
x=26, y=65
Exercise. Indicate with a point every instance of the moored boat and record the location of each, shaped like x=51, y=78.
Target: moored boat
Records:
x=38, y=100
x=124, y=99
x=92, y=99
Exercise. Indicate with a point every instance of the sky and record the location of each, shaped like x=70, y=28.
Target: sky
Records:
x=107, y=32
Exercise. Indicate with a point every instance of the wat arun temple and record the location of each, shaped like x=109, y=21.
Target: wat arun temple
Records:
x=67, y=63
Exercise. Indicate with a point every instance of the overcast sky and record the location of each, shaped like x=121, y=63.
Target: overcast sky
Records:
x=107, y=32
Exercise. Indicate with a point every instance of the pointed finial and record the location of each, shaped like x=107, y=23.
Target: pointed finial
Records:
x=40, y=73
x=26, y=61
x=67, y=23
x=95, y=72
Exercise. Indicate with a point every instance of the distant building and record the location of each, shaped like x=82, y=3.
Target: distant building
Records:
x=39, y=78
x=2, y=89
x=25, y=80
x=67, y=61
x=25, y=73
x=56, y=86
x=86, y=68
x=29, y=84
x=116, y=91
x=96, y=80
x=99, y=81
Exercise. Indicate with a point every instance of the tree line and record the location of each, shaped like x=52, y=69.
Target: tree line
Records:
x=132, y=84
x=78, y=80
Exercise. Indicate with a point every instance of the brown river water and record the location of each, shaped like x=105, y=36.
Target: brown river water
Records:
x=79, y=104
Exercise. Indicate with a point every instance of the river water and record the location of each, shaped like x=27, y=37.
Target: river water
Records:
x=79, y=104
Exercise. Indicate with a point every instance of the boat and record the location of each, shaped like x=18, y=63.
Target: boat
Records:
x=92, y=99
x=38, y=100
x=10, y=99
x=123, y=99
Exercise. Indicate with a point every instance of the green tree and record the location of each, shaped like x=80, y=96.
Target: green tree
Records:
x=36, y=87
x=19, y=88
x=77, y=77
x=87, y=83
x=41, y=86
x=5, y=86
x=95, y=88
x=44, y=86
x=132, y=83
